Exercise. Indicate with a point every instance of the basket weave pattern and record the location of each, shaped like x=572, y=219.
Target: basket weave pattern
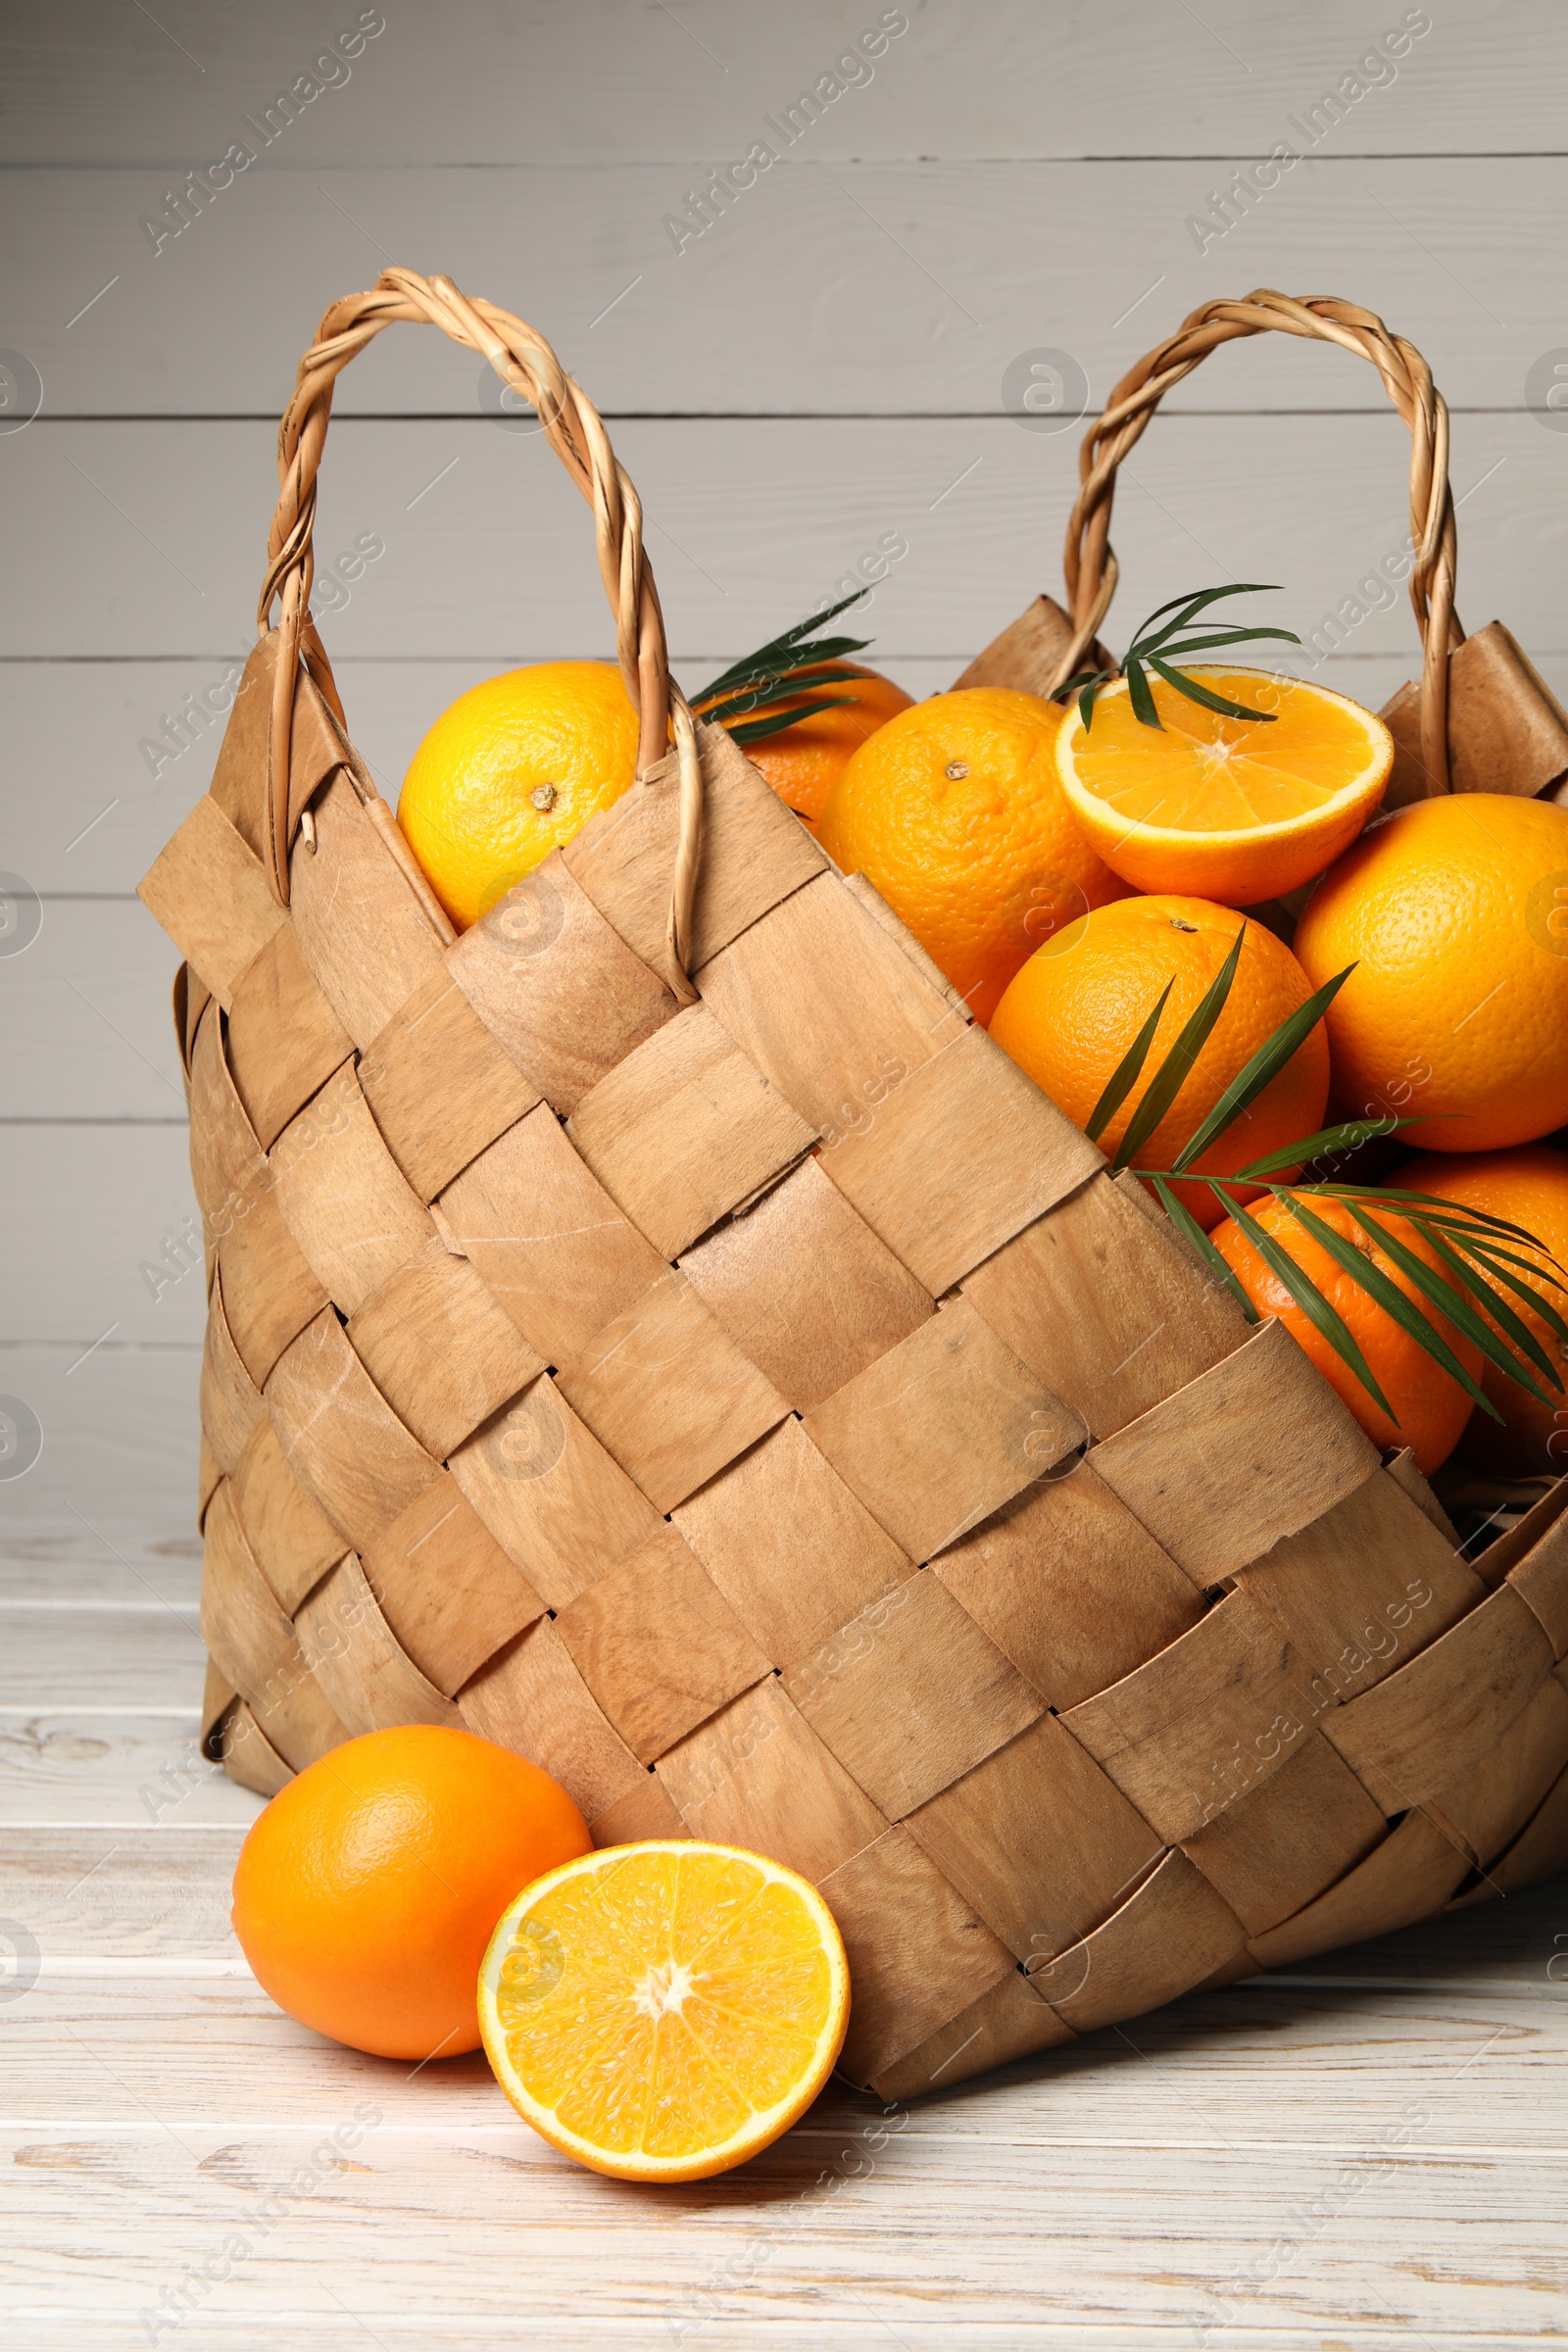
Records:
x=749, y=1397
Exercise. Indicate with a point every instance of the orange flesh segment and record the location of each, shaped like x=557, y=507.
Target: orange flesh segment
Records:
x=1204, y=774
x=657, y=2006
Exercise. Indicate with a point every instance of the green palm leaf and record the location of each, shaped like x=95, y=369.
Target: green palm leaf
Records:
x=1499, y=1308
x=1174, y=1071
x=1125, y=1075
x=1348, y=1135
x=1455, y=1306
x=1496, y=1261
x=1140, y=695
x=737, y=701
x=1182, y=1216
x=1158, y=648
x=747, y=698
x=1323, y=1317
x=1204, y=694
x=1476, y=1216
x=1397, y=1303
x=1264, y=1066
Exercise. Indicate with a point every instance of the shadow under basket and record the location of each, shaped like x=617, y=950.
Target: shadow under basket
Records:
x=911, y=1507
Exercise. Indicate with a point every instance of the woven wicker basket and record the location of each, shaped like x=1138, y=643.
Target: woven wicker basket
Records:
x=908, y=1507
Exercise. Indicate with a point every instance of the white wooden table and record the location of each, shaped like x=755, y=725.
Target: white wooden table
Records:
x=1369, y=2154
x=832, y=365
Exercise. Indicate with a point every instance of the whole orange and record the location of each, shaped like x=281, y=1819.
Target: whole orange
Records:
x=1073, y=1011
x=1455, y=912
x=365, y=1894
x=1529, y=1187
x=804, y=762
x=1430, y=1407
x=511, y=771
x=955, y=811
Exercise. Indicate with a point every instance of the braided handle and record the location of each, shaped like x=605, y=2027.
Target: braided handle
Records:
x=1090, y=564
x=574, y=429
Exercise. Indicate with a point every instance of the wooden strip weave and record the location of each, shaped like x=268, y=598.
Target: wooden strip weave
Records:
x=755, y=1402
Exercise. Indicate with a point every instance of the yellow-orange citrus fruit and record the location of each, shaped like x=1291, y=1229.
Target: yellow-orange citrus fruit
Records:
x=1228, y=809
x=1430, y=1407
x=1074, y=1011
x=1455, y=912
x=804, y=762
x=365, y=1894
x=1528, y=1186
x=512, y=769
x=955, y=811
x=663, y=2011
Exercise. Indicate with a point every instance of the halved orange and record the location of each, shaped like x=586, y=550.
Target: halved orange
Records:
x=1233, y=809
x=663, y=2011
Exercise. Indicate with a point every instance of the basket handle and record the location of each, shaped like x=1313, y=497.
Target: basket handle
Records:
x=1090, y=564
x=574, y=429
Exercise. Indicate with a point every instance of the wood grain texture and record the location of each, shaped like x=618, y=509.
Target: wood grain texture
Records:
x=440, y=1349
x=1173, y=1925
x=559, y=1506
x=755, y=856
x=440, y=1087
x=1227, y=1697
x=531, y=1697
x=936, y=2215
x=363, y=1672
x=758, y=1769
x=658, y=1645
x=827, y=1005
x=786, y=1543
x=1009, y=2021
x=1439, y=1715
x=1062, y=2202
x=555, y=1249
x=1244, y=1454
x=357, y=1462
x=882, y=336
x=1279, y=1842
x=447, y=1590
x=1071, y=1586
x=945, y=1963
x=1373, y=1569
x=941, y=1431
x=293, y=1541
x=1486, y=1805
x=1038, y=1839
x=771, y=507
x=284, y=1040
x=116, y=705
x=270, y=1294
x=971, y=1105
x=804, y=1288
x=365, y=934
x=1541, y=1579
x=208, y=891
x=684, y=1129
x=343, y=1196
x=1098, y=1301
x=557, y=987
x=911, y=1694
x=230, y=1402
x=254, y=1645
x=1413, y=1870
x=982, y=84
x=668, y=1394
